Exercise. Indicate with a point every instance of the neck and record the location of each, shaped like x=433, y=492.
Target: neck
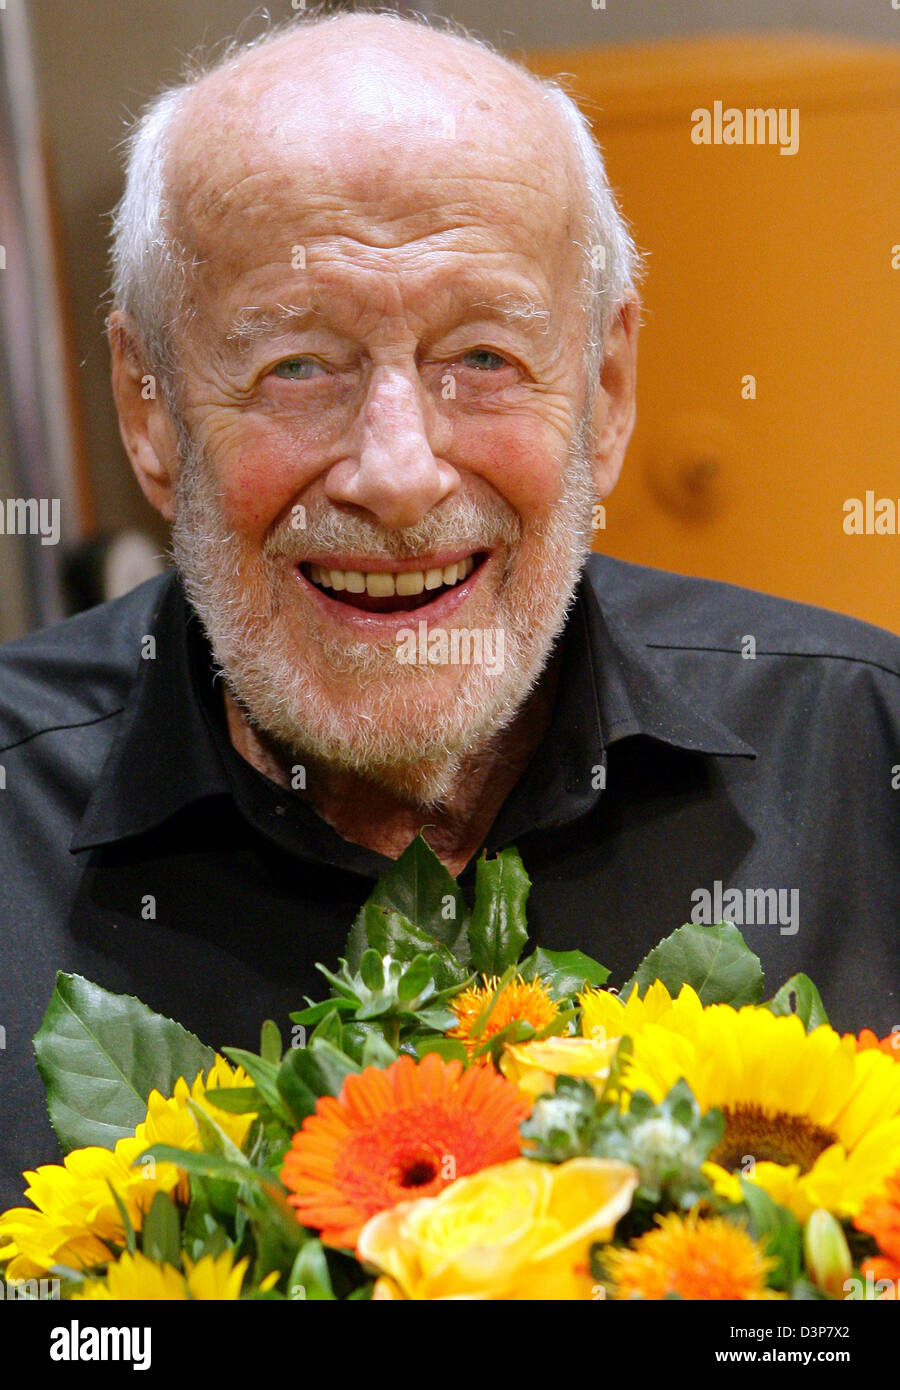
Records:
x=372, y=816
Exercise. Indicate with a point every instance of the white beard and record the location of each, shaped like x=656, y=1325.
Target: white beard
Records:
x=389, y=723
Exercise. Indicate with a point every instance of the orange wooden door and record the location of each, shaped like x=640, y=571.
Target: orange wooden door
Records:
x=768, y=384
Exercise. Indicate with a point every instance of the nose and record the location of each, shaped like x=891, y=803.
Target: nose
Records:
x=395, y=475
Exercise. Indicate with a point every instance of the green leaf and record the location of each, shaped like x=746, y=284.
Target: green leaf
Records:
x=799, y=996
x=716, y=961
x=371, y=969
x=309, y=1278
x=270, y=1042
x=130, y=1242
x=101, y=1054
x=237, y=1100
x=451, y=1049
x=317, y=1011
x=297, y=1094
x=328, y=1028
x=438, y=1019
x=309, y=1072
x=391, y=934
x=777, y=1230
x=212, y=1136
x=415, y=978
x=420, y=888
x=203, y=1232
x=497, y=931
x=516, y=1031
x=277, y=1233
x=566, y=973
x=377, y=1051
x=265, y=1077
x=206, y=1165
x=161, y=1232
x=329, y=1067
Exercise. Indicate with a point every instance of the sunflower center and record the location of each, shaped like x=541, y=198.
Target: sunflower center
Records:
x=418, y=1173
x=767, y=1137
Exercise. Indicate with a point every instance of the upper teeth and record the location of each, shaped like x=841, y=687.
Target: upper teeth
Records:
x=383, y=585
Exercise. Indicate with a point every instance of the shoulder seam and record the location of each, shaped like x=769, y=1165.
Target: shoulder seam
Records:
x=58, y=728
x=814, y=656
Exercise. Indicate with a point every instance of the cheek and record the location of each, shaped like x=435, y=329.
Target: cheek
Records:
x=523, y=460
x=261, y=473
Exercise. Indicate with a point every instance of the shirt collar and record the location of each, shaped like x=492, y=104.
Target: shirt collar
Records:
x=165, y=755
x=608, y=691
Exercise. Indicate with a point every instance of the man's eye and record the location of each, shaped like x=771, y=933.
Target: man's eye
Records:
x=296, y=368
x=484, y=359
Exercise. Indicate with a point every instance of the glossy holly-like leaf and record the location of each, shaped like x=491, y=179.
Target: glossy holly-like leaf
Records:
x=497, y=931
x=799, y=996
x=101, y=1054
x=715, y=961
x=418, y=887
x=566, y=973
x=392, y=934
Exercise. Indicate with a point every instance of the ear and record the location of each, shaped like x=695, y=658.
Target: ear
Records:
x=614, y=409
x=145, y=424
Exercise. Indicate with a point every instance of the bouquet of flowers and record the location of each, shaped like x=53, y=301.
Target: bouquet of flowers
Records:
x=461, y=1118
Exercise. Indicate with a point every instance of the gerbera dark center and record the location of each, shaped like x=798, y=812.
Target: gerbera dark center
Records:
x=751, y=1132
x=418, y=1174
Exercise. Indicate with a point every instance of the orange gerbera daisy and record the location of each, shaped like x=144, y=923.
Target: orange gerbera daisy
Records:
x=879, y=1216
x=527, y=1001
x=395, y=1135
x=696, y=1259
x=891, y=1044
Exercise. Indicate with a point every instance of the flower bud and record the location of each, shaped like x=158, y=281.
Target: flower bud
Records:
x=828, y=1259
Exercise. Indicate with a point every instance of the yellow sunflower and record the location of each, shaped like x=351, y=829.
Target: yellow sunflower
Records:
x=135, y=1277
x=604, y=1015
x=807, y=1116
x=74, y=1219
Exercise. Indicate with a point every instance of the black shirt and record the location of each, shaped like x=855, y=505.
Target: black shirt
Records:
x=701, y=734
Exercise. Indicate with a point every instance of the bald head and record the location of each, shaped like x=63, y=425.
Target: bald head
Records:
x=353, y=111
x=363, y=99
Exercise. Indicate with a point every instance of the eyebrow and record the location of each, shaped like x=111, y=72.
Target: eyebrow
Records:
x=252, y=323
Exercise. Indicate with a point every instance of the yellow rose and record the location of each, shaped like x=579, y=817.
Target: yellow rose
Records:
x=517, y=1231
x=534, y=1066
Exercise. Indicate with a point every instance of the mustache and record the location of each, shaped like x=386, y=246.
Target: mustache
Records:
x=483, y=523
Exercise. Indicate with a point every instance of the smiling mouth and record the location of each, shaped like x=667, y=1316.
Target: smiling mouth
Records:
x=381, y=591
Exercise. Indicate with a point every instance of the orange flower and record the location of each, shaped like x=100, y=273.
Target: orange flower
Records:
x=397, y=1134
x=696, y=1259
x=867, y=1040
x=880, y=1217
x=517, y=1000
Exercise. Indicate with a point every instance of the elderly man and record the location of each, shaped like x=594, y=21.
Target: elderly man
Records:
x=374, y=358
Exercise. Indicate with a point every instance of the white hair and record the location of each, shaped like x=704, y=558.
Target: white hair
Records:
x=150, y=270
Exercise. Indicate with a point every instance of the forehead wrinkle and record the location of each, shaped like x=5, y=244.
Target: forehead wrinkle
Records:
x=254, y=322
x=241, y=110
